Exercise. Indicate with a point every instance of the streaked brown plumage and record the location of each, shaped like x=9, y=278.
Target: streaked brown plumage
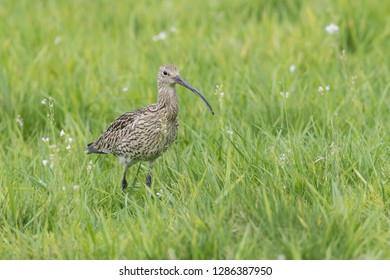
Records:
x=144, y=134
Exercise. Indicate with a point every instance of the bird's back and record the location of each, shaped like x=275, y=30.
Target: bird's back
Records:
x=138, y=135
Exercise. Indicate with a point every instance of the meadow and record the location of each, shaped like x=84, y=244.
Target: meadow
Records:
x=293, y=165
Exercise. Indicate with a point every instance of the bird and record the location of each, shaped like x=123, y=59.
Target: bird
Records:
x=145, y=134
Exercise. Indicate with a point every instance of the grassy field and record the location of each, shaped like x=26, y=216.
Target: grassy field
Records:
x=294, y=164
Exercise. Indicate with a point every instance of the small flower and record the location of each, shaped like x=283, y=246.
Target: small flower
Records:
x=62, y=133
x=353, y=80
x=160, y=36
x=70, y=140
x=45, y=162
x=219, y=91
x=90, y=165
x=284, y=94
x=332, y=28
x=45, y=139
x=68, y=147
x=343, y=54
x=19, y=120
x=284, y=157
x=281, y=257
x=125, y=89
x=333, y=148
x=229, y=131
x=75, y=187
x=320, y=89
x=57, y=40
x=292, y=68
x=327, y=88
x=44, y=101
x=173, y=29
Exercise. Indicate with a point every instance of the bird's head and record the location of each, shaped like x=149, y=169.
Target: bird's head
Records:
x=168, y=76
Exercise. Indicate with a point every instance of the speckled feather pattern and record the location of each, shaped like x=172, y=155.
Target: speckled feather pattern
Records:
x=144, y=134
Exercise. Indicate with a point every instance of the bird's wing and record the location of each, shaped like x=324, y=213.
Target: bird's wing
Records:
x=121, y=127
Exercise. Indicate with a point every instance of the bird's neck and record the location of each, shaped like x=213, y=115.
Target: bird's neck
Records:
x=167, y=98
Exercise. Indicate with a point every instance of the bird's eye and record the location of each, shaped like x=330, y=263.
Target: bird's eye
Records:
x=165, y=73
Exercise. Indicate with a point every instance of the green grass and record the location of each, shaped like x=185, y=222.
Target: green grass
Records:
x=303, y=177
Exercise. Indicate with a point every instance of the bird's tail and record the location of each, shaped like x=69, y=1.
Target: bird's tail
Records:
x=92, y=150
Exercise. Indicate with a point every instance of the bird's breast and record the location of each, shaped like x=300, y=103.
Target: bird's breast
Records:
x=168, y=132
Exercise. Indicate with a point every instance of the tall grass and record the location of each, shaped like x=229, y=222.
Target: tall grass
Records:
x=294, y=164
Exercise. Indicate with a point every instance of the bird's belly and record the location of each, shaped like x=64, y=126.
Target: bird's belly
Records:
x=160, y=140
x=147, y=143
x=167, y=136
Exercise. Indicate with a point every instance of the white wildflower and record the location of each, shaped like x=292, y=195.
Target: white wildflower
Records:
x=343, y=54
x=284, y=157
x=284, y=94
x=125, y=89
x=320, y=89
x=52, y=157
x=173, y=29
x=333, y=148
x=68, y=147
x=44, y=101
x=45, y=162
x=327, y=88
x=19, y=120
x=90, y=165
x=160, y=36
x=75, y=187
x=353, y=81
x=332, y=28
x=45, y=139
x=292, y=68
x=62, y=133
x=219, y=91
x=70, y=140
x=229, y=131
x=57, y=40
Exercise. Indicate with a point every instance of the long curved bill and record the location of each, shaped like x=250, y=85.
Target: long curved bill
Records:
x=182, y=82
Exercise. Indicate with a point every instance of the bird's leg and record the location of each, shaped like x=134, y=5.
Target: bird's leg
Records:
x=136, y=175
x=149, y=176
x=124, y=182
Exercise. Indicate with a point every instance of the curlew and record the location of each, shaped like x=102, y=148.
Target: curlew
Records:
x=144, y=134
